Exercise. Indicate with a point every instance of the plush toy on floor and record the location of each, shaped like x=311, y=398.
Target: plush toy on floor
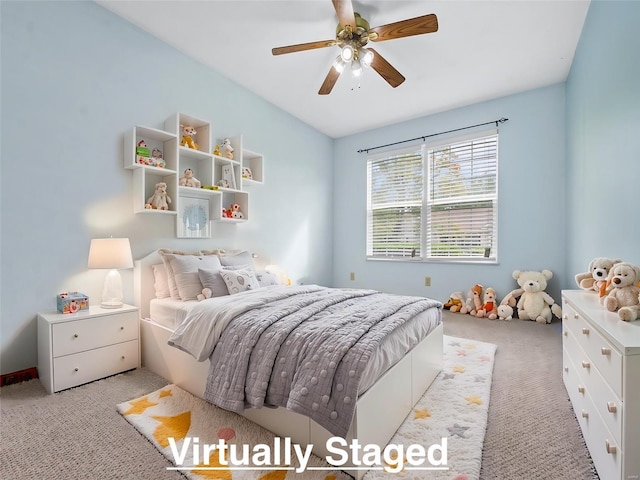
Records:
x=459, y=303
x=476, y=298
x=505, y=312
x=623, y=293
x=489, y=306
x=595, y=280
x=188, y=132
x=533, y=303
x=159, y=200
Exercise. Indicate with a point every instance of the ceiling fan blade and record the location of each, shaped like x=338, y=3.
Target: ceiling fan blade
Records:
x=406, y=28
x=329, y=82
x=344, y=10
x=302, y=47
x=386, y=70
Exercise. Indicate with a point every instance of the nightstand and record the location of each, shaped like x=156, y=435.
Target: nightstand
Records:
x=77, y=348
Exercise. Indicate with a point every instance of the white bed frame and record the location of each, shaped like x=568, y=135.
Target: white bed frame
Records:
x=379, y=411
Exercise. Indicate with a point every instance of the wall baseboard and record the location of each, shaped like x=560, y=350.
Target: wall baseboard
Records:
x=18, y=377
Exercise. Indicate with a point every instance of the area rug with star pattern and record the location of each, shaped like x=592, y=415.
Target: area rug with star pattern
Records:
x=185, y=428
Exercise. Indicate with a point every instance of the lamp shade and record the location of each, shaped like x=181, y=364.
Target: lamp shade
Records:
x=110, y=253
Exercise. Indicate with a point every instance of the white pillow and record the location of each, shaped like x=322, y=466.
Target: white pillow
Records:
x=212, y=280
x=186, y=285
x=239, y=280
x=171, y=280
x=234, y=260
x=161, y=283
x=266, y=279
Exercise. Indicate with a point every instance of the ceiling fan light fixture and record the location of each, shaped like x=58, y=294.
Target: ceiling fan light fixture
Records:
x=366, y=56
x=356, y=68
x=339, y=64
x=347, y=53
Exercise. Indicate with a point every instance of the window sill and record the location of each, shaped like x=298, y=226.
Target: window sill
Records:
x=482, y=261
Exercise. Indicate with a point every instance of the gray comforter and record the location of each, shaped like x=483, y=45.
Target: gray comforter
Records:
x=305, y=350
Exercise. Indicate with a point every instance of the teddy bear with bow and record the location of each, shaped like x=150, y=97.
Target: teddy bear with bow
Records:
x=489, y=306
x=533, y=302
x=623, y=293
x=595, y=280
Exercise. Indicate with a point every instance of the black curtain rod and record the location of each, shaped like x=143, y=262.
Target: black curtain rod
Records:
x=424, y=137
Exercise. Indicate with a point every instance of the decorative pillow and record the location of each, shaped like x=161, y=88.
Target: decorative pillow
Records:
x=161, y=283
x=165, y=253
x=212, y=280
x=266, y=279
x=239, y=280
x=242, y=258
x=185, y=284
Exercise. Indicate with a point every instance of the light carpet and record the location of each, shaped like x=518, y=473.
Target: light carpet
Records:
x=455, y=408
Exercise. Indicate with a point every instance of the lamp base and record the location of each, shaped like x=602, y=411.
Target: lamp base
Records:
x=112, y=291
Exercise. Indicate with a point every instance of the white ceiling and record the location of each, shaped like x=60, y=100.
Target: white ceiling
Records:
x=482, y=50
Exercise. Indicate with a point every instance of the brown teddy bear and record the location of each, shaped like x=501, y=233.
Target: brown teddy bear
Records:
x=159, y=200
x=623, y=294
x=490, y=306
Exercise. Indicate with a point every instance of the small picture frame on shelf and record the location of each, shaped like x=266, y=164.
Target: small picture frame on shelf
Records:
x=229, y=176
x=194, y=217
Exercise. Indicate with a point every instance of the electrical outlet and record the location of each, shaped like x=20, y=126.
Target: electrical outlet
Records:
x=352, y=276
x=427, y=281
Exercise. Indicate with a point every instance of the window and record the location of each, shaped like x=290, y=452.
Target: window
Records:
x=435, y=201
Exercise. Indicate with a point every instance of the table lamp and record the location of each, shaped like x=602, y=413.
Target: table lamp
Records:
x=112, y=254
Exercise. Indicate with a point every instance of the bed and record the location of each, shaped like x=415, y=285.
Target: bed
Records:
x=400, y=370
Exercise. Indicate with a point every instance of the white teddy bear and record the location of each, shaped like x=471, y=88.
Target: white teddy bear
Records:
x=189, y=180
x=159, y=200
x=623, y=291
x=596, y=278
x=534, y=303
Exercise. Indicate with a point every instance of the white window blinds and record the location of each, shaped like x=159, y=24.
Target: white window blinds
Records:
x=435, y=202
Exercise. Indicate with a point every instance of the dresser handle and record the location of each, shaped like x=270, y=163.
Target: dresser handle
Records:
x=605, y=351
x=585, y=414
x=75, y=335
x=565, y=333
x=585, y=331
x=121, y=328
x=122, y=357
x=580, y=389
x=586, y=364
x=75, y=369
x=575, y=315
x=610, y=448
x=611, y=406
x=566, y=369
x=565, y=316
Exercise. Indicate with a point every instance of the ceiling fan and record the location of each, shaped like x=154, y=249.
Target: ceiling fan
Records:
x=353, y=34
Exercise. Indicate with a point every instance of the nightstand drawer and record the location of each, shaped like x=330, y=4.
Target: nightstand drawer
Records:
x=88, y=333
x=84, y=367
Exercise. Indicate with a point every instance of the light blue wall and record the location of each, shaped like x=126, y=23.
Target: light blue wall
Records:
x=603, y=138
x=531, y=199
x=75, y=77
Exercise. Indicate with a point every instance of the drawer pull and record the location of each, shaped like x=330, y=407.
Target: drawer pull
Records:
x=122, y=357
x=585, y=331
x=605, y=351
x=586, y=364
x=580, y=389
x=611, y=449
x=75, y=369
x=575, y=315
x=585, y=414
x=75, y=335
x=121, y=328
x=611, y=406
x=566, y=369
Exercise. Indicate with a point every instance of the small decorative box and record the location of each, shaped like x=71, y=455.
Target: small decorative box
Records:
x=72, y=302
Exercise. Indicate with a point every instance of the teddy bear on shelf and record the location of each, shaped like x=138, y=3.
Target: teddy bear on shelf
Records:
x=189, y=180
x=623, y=294
x=476, y=299
x=159, y=200
x=236, y=212
x=533, y=303
x=226, y=149
x=489, y=306
x=188, y=132
x=595, y=280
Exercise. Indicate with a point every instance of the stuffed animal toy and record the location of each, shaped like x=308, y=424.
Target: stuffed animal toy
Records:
x=189, y=180
x=226, y=149
x=156, y=158
x=489, y=306
x=188, y=132
x=595, y=280
x=206, y=293
x=505, y=312
x=534, y=303
x=459, y=303
x=476, y=297
x=159, y=200
x=623, y=291
x=235, y=211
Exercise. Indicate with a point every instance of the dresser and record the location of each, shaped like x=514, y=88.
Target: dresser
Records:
x=82, y=347
x=601, y=372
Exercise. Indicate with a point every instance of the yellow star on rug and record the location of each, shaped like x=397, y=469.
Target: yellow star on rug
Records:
x=473, y=399
x=139, y=406
x=274, y=475
x=176, y=426
x=470, y=346
x=165, y=393
x=421, y=413
x=458, y=369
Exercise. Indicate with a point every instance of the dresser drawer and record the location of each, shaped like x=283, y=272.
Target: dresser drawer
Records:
x=88, y=333
x=608, y=405
x=79, y=368
x=603, y=355
x=594, y=430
